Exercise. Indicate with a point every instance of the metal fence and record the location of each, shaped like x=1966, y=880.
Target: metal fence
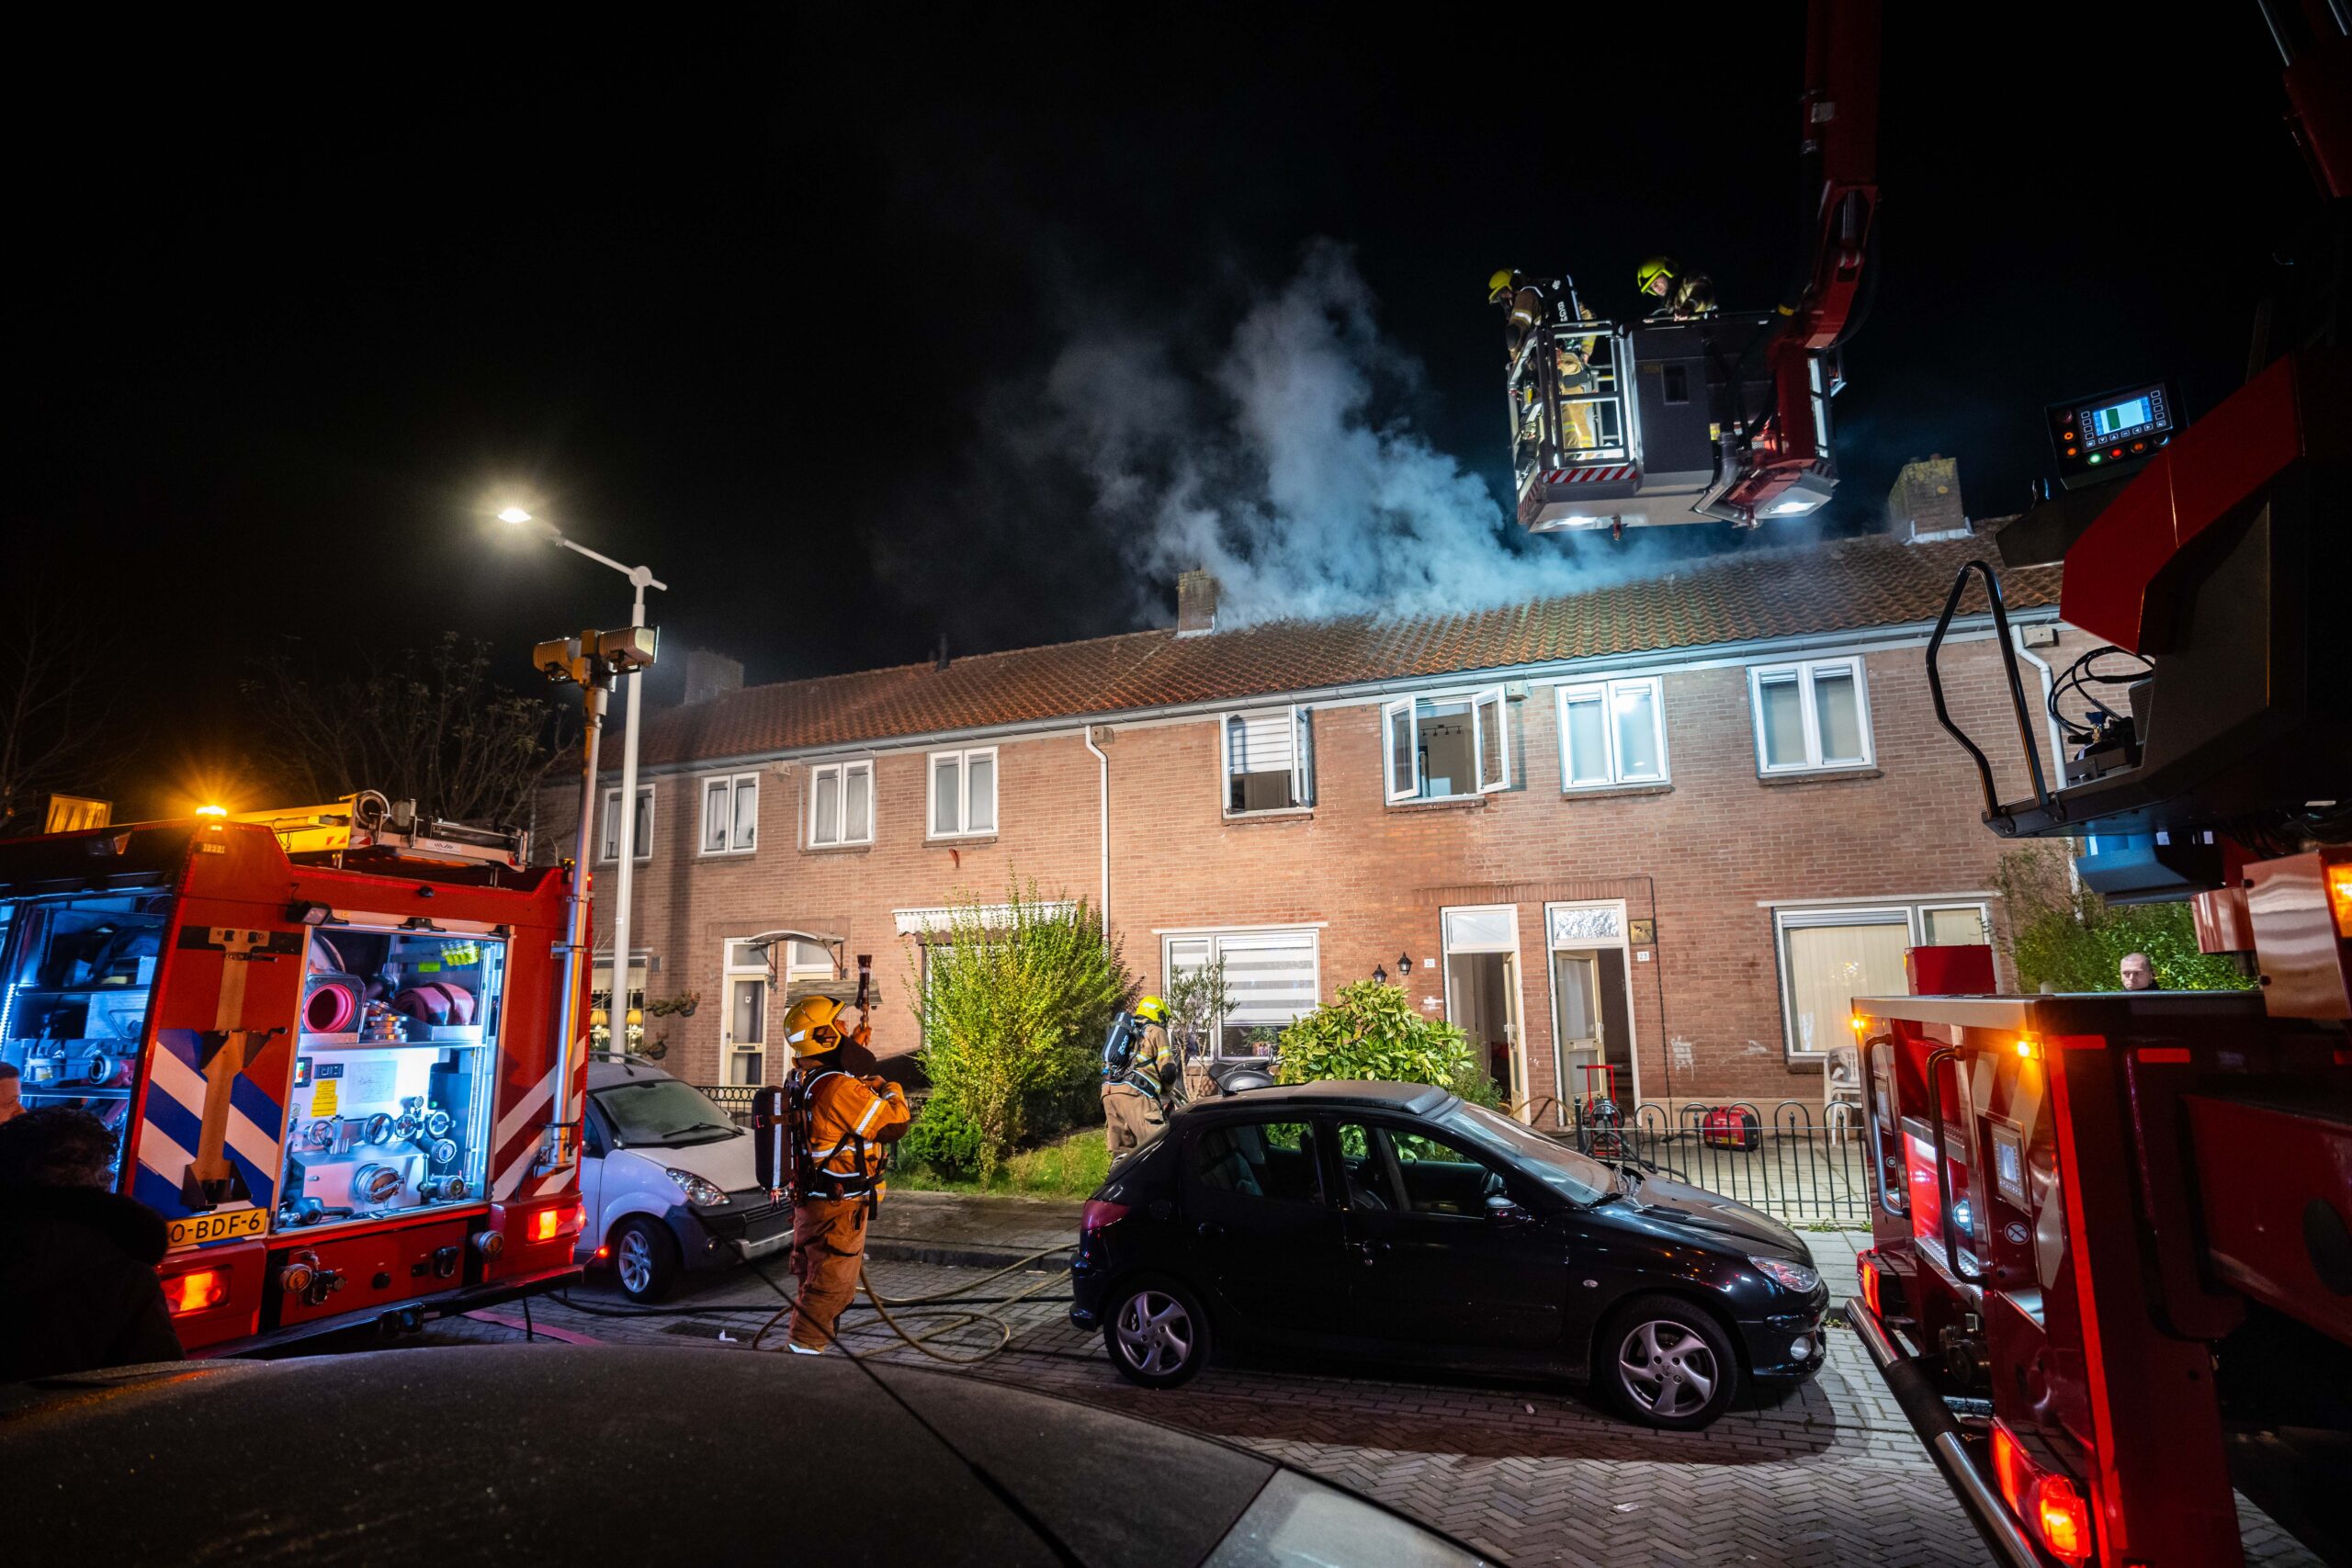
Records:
x=735, y=1098
x=1790, y=1161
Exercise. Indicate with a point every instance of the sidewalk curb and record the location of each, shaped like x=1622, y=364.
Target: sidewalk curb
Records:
x=949, y=1257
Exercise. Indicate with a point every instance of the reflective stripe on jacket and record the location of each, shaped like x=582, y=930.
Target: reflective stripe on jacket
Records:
x=1155, y=1065
x=841, y=1110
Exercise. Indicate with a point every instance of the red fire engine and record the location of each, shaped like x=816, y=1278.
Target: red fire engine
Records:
x=2112, y=1273
x=329, y=1041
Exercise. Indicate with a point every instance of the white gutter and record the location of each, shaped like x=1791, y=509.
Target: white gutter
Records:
x=1869, y=639
x=1105, y=829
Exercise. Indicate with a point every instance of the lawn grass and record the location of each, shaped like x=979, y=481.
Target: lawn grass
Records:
x=1071, y=1166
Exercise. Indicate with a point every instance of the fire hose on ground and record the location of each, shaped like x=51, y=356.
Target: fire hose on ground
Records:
x=950, y=1307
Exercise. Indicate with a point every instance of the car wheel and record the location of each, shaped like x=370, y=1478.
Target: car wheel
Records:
x=1669, y=1364
x=645, y=1259
x=1156, y=1333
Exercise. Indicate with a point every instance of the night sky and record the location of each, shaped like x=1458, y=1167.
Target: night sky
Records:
x=770, y=302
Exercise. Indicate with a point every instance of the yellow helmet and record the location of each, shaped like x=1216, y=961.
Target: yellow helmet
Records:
x=1500, y=285
x=1654, y=269
x=813, y=1026
x=1152, y=1011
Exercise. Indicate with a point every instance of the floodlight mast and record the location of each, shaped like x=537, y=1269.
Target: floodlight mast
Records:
x=591, y=661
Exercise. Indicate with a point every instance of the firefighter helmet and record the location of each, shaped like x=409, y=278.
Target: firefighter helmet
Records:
x=1500, y=285
x=1654, y=269
x=813, y=1026
x=1151, y=1009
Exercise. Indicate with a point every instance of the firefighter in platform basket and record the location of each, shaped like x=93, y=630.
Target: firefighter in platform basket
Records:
x=840, y=1126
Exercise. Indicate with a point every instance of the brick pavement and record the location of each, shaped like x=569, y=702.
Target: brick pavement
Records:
x=1528, y=1474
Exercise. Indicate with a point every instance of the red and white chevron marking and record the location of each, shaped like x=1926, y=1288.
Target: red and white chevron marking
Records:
x=516, y=1140
x=1601, y=474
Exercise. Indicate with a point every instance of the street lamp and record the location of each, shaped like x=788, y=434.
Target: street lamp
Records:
x=640, y=578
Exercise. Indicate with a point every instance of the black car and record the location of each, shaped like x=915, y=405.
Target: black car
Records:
x=1397, y=1221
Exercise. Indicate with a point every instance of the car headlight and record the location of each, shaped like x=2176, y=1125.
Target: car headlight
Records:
x=696, y=1190
x=1787, y=1275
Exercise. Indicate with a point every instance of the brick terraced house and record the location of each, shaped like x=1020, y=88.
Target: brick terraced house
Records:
x=1668, y=825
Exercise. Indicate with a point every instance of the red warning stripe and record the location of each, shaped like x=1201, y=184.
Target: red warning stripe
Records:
x=1589, y=475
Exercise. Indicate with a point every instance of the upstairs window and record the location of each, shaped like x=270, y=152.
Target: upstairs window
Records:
x=963, y=793
x=608, y=835
x=1612, y=732
x=1442, y=747
x=730, y=814
x=1269, y=760
x=841, y=805
x=1810, y=716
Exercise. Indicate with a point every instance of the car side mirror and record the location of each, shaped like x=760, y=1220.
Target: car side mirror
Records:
x=1501, y=1210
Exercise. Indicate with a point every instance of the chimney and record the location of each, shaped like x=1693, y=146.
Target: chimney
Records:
x=711, y=674
x=1195, y=604
x=1925, y=504
x=940, y=662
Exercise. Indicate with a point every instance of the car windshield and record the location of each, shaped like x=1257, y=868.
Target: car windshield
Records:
x=1575, y=1176
x=663, y=1112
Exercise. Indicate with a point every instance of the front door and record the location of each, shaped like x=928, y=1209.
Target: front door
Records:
x=1267, y=1235
x=1438, y=1271
x=1575, y=982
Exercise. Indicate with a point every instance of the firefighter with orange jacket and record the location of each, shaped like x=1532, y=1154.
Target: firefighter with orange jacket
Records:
x=840, y=1125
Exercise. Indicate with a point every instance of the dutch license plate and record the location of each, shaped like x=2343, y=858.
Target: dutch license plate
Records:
x=200, y=1228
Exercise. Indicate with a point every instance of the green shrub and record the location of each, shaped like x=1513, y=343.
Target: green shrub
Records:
x=2067, y=938
x=1015, y=1000
x=1372, y=1031
x=941, y=1139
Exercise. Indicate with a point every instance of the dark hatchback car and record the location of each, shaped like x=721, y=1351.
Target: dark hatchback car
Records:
x=1396, y=1222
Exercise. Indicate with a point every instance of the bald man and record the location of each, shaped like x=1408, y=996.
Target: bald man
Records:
x=2139, y=972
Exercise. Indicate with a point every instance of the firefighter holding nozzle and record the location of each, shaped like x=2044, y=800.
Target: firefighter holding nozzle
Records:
x=840, y=1127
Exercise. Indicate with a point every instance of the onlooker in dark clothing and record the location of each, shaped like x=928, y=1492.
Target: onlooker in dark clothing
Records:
x=77, y=1262
x=12, y=1100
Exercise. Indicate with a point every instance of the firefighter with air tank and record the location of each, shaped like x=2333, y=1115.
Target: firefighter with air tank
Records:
x=840, y=1125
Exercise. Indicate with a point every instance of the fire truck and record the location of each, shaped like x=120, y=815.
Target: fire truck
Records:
x=2111, y=1278
x=330, y=1043
x=1722, y=417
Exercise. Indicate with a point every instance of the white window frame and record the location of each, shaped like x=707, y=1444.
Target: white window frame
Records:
x=1804, y=672
x=1910, y=913
x=733, y=782
x=1214, y=938
x=842, y=773
x=608, y=830
x=730, y=972
x=1408, y=708
x=1302, y=759
x=1605, y=692
x=963, y=761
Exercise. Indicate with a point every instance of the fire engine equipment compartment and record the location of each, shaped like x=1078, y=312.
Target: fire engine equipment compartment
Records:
x=388, y=1112
x=76, y=974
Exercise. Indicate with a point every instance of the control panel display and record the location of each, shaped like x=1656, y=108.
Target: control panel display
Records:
x=2111, y=436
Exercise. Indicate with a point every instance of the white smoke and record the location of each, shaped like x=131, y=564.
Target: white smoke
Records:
x=1284, y=469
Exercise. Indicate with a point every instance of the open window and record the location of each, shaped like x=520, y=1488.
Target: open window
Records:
x=1443, y=747
x=1269, y=760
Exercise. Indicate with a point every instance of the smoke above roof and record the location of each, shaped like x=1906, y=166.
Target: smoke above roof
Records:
x=1283, y=467
x=1265, y=433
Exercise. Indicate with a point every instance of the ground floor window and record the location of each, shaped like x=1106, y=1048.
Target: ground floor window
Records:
x=1271, y=978
x=617, y=1025
x=1829, y=957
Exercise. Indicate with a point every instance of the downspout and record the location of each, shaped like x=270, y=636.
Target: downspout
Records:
x=1103, y=832
x=2057, y=736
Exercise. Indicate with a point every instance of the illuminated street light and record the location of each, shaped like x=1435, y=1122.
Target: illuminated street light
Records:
x=641, y=577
